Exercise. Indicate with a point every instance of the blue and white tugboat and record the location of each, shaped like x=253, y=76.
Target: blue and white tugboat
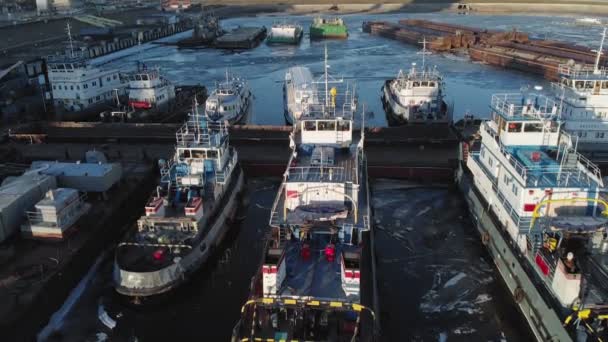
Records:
x=538, y=207
x=230, y=100
x=316, y=279
x=186, y=217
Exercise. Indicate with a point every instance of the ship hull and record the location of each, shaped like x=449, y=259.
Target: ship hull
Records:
x=530, y=295
x=328, y=32
x=276, y=40
x=237, y=117
x=167, y=279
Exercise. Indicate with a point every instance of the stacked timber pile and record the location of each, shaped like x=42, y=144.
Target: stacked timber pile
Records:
x=508, y=49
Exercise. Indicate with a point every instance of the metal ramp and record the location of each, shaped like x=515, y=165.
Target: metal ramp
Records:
x=98, y=21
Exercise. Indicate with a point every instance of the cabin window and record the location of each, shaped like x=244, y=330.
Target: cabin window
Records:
x=599, y=135
x=490, y=161
x=114, y=77
x=604, y=84
x=515, y=189
x=506, y=179
x=93, y=83
x=310, y=126
x=589, y=85
x=533, y=127
x=71, y=87
x=483, y=152
x=327, y=126
x=198, y=154
x=225, y=108
x=514, y=127
x=144, y=77
x=137, y=78
x=85, y=86
x=416, y=84
x=424, y=84
x=54, y=88
x=431, y=84
x=343, y=125
x=579, y=84
x=212, y=154
x=108, y=78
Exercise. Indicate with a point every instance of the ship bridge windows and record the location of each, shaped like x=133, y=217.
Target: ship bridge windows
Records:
x=604, y=84
x=589, y=84
x=343, y=126
x=514, y=127
x=310, y=125
x=533, y=127
x=326, y=125
x=579, y=85
x=198, y=154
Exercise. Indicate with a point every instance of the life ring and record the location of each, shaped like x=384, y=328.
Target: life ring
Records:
x=485, y=238
x=518, y=294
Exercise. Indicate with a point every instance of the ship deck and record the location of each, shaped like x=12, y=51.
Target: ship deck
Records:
x=315, y=277
x=305, y=169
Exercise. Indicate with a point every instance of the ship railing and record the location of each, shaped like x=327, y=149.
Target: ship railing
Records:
x=275, y=219
x=316, y=173
x=35, y=217
x=417, y=75
x=198, y=133
x=518, y=105
x=581, y=71
x=522, y=222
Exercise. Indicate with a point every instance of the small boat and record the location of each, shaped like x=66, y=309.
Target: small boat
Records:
x=322, y=28
x=285, y=34
x=416, y=96
x=230, y=100
x=149, y=90
x=299, y=92
x=186, y=217
x=588, y=22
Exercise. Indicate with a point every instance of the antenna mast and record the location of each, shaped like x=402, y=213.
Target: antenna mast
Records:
x=69, y=31
x=596, y=69
x=326, y=90
x=424, y=52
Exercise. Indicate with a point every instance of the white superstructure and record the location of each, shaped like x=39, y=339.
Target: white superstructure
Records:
x=148, y=89
x=583, y=94
x=77, y=85
x=300, y=92
x=230, y=100
x=537, y=205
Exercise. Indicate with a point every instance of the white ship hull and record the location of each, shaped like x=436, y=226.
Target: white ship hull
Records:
x=161, y=281
x=528, y=293
x=404, y=113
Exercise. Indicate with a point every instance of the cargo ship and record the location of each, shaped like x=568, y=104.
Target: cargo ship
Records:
x=322, y=28
x=416, y=96
x=299, y=92
x=285, y=34
x=316, y=279
x=539, y=210
x=230, y=100
x=187, y=216
x=583, y=94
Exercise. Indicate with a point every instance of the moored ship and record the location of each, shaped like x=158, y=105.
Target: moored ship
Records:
x=230, y=100
x=148, y=90
x=206, y=29
x=583, y=94
x=322, y=28
x=539, y=209
x=299, y=92
x=285, y=34
x=316, y=280
x=416, y=96
x=186, y=218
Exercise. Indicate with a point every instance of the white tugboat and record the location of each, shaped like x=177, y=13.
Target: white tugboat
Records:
x=538, y=207
x=186, y=218
x=416, y=96
x=299, y=91
x=583, y=93
x=230, y=100
x=148, y=90
x=78, y=86
x=315, y=281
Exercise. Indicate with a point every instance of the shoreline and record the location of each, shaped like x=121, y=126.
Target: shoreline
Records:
x=240, y=8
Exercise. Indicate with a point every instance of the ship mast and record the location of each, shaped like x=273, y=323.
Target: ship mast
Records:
x=596, y=69
x=424, y=52
x=69, y=31
x=326, y=86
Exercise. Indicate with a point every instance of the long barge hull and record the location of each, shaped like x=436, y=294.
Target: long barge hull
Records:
x=507, y=49
x=530, y=296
